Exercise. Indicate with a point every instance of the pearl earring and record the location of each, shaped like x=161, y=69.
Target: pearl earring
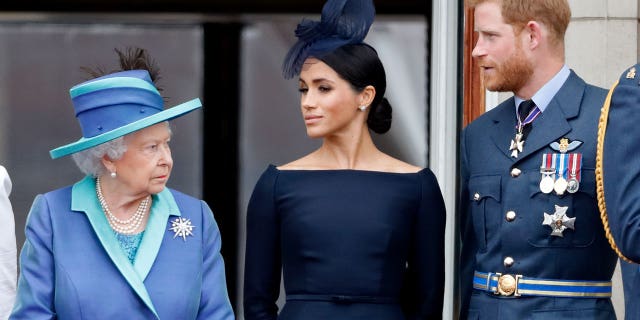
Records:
x=362, y=108
x=113, y=174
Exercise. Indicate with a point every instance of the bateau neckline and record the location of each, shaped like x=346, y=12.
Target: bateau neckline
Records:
x=274, y=167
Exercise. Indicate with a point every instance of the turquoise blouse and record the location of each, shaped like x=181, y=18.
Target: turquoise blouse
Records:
x=129, y=243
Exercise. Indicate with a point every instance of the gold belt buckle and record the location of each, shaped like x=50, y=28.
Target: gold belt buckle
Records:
x=508, y=284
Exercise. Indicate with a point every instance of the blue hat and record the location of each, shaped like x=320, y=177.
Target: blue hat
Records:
x=342, y=22
x=117, y=104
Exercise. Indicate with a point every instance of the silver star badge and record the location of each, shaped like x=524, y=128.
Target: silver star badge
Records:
x=516, y=145
x=558, y=221
x=182, y=228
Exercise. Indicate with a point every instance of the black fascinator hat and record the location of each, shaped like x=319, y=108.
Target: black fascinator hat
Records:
x=342, y=22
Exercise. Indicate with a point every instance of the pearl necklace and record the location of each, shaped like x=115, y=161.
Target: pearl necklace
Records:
x=126, y=226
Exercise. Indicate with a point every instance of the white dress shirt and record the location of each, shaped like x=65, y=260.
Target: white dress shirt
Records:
x=8, y=256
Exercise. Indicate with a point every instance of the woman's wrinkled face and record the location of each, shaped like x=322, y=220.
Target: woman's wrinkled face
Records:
x=329, y=103
x=146, y=165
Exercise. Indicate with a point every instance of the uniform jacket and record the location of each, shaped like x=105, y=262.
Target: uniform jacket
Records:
x=491, y=187
x=72, y=267
x=8, y=268
x=620, y=168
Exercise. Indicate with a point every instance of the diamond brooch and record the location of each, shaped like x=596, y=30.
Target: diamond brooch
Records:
x=182, y=228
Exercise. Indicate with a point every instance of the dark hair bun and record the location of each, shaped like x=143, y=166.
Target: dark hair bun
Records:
x=379, y=119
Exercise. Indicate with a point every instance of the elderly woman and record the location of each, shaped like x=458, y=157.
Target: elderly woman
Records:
x=119, y=244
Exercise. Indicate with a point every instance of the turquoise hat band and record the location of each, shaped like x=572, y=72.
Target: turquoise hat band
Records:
x=86, y=143
x=110, y=83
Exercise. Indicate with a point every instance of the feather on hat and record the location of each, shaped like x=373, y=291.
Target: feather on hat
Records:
x=342, y=22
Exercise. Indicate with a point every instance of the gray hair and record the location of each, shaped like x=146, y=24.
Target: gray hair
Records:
x=90, y=161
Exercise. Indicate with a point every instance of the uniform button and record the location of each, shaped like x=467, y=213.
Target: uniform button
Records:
x=510, y=216
x=476, y=196
x=515, y=172
x=508, y=262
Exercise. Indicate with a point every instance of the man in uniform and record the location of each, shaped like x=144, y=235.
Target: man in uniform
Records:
x=533, y=246
x=619, y=192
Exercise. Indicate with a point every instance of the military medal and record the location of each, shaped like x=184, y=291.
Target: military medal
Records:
x=573, y=185
x=559, y=221
x=546, y=183
x=560, y=185
x=575, y=163
x=517, y=143
x=548, y=171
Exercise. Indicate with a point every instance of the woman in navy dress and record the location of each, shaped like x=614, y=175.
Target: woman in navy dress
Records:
x=356, y=233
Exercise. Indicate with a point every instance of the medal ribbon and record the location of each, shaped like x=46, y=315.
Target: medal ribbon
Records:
x=533, y=114
x=562, y=161
x=575, y=165
x=547, y=161
x=547, y=171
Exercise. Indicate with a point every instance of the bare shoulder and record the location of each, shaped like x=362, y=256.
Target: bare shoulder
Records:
x=378, y=162
x=308, y=162
x=392, y=164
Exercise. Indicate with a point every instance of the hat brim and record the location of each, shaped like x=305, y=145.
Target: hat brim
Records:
x=165, y=115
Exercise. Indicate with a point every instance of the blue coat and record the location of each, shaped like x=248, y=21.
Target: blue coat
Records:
x=72, y=267
x=491, y=188
x=620, y=168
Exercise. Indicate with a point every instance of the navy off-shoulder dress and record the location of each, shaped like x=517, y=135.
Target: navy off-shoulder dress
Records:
x=351, y=244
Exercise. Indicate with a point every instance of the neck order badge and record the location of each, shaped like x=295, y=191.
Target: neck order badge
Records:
x=527, y=112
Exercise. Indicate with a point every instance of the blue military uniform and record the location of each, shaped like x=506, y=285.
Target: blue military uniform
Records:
x=529, y=252
x=621, y=188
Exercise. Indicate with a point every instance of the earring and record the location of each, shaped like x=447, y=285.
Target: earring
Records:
x=362, y=108
x=113, y=174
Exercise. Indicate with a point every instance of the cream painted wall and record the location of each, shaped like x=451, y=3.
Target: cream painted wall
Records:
x=601, y=42
x=602, y=39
